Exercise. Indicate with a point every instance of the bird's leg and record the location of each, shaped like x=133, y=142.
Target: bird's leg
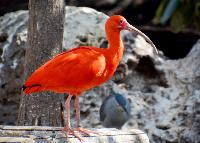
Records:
x=79, y=128
x=67, y=108
x=68, y=128
x=77, y=108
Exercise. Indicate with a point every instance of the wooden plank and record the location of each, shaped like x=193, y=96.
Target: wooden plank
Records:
x=42, y=134
x=16, y=140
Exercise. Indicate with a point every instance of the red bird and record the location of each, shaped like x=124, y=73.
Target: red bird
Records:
x=81, y=69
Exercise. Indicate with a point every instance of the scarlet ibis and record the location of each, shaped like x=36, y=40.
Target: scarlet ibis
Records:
x=81, y=69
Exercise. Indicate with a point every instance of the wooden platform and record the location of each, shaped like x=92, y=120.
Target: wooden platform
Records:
x=41, y=134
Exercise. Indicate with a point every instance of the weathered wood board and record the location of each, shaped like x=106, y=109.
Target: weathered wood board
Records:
x=42, y=134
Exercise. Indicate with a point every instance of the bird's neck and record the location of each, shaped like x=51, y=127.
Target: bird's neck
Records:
x=116, y=46
x=113, y=54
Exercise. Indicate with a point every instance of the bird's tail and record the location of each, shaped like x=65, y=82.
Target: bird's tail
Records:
x=28, y=89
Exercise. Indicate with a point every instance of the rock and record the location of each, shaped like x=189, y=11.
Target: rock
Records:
x=171, y=111
x=164, y=93
x=192, y=119
x=12, y=49
x=80, y=32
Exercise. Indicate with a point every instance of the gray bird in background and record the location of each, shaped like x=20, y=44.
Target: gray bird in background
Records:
x=115, y=111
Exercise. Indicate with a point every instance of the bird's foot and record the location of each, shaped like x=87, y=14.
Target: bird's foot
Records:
x=72, y=132
x=86, y=131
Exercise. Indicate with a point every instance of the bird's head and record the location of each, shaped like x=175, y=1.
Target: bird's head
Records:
x=119, y=23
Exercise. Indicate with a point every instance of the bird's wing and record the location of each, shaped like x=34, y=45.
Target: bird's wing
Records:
x=123, y=102
x=77, y=68
x=102, y=111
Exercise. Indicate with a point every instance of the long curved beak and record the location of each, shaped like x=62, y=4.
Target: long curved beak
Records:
x=132, y=28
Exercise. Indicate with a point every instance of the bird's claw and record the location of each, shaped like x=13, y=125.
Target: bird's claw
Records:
x=86, y=131
x=72, y=132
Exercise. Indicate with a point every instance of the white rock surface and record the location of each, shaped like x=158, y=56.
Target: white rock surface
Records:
x=164, y=94
x=83, y=26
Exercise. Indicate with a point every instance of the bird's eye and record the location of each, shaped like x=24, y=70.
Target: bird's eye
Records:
x=121, y=21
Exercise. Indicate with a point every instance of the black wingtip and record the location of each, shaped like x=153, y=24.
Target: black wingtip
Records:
x=24, y=87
